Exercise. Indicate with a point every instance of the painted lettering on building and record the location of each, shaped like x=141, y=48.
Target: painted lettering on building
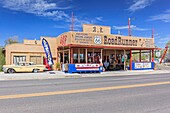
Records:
x=119, y=41
x=63, y=40
x=97, y=31
x=83, y=38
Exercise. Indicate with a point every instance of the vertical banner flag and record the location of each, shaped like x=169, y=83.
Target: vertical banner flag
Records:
x=47, y=51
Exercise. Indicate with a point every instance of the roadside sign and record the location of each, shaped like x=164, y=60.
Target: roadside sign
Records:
x=158, y=54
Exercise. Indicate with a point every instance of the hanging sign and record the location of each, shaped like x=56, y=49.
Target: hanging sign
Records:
x=87, y=66
x=138, y=65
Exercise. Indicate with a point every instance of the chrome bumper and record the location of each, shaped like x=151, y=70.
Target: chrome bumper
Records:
x=4, y=69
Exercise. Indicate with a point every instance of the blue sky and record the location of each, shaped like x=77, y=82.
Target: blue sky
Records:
x=30, y=19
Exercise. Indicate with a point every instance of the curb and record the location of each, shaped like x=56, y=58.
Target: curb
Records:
x=60, y=75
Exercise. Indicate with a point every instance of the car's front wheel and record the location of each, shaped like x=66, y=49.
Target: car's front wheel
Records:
x=35, y=70
x=11, y=71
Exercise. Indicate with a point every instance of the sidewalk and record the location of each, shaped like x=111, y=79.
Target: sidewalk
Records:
x=59, y=74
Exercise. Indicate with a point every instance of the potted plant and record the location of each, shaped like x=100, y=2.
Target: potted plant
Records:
x=127, y=64
x=58, y=66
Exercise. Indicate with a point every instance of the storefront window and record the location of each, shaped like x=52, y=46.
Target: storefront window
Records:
x=135, y=56
x=75, y=58
x=97, y=56
x=82, y=58
x=17, y=59
x=145, y=56
x=36, y=59
x=82, y=55
x=89, y=57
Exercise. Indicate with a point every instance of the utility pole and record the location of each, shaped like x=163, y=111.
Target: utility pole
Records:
x=152, y=32
x=129, y=29
x=72, y=22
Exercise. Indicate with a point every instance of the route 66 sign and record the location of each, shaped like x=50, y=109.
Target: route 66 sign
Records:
x=97, y=39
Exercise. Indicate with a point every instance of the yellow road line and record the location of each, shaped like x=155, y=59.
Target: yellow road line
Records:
x=81, y=90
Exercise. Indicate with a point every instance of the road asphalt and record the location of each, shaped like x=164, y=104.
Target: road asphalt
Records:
x=107, y=94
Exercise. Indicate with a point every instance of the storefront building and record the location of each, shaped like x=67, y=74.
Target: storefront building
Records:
x=29, y=51
x=96, y=45
x=88, y=50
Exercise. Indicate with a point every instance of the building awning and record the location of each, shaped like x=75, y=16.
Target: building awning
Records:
x=108, y=47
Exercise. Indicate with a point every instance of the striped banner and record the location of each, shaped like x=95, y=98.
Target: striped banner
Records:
x=90, y=67
x=47, y=51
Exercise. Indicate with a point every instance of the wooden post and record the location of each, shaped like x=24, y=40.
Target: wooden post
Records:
x=124, y=60
x=71, y=55
x=101, y=52
x=57, y=55
x=130, y=60
x=93, y=56
x=152, y=55
x=115, y=54
x=78, y=55
x=63, y=57
x=86, y=55
x=140, y=56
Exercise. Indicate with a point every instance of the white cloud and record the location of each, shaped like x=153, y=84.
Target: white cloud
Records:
x=161, y=42
x=140, y=29
x=99, y=18
x=156, y=34
x=133, y=27
x=122, y=27
x=164, y=39
x=165, y=17
x=61, y=26
x=139, y=4
x=161, y=39
x=37, y=7
x=79, y=21
x=52, y=10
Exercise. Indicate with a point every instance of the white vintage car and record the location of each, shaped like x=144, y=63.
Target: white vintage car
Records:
x=23, y=67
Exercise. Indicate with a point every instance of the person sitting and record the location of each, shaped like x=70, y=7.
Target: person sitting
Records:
x=114, y=65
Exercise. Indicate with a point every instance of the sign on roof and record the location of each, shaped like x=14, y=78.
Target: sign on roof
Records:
x=89, y=28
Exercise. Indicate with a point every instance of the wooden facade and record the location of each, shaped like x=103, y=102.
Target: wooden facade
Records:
x=83, y=47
